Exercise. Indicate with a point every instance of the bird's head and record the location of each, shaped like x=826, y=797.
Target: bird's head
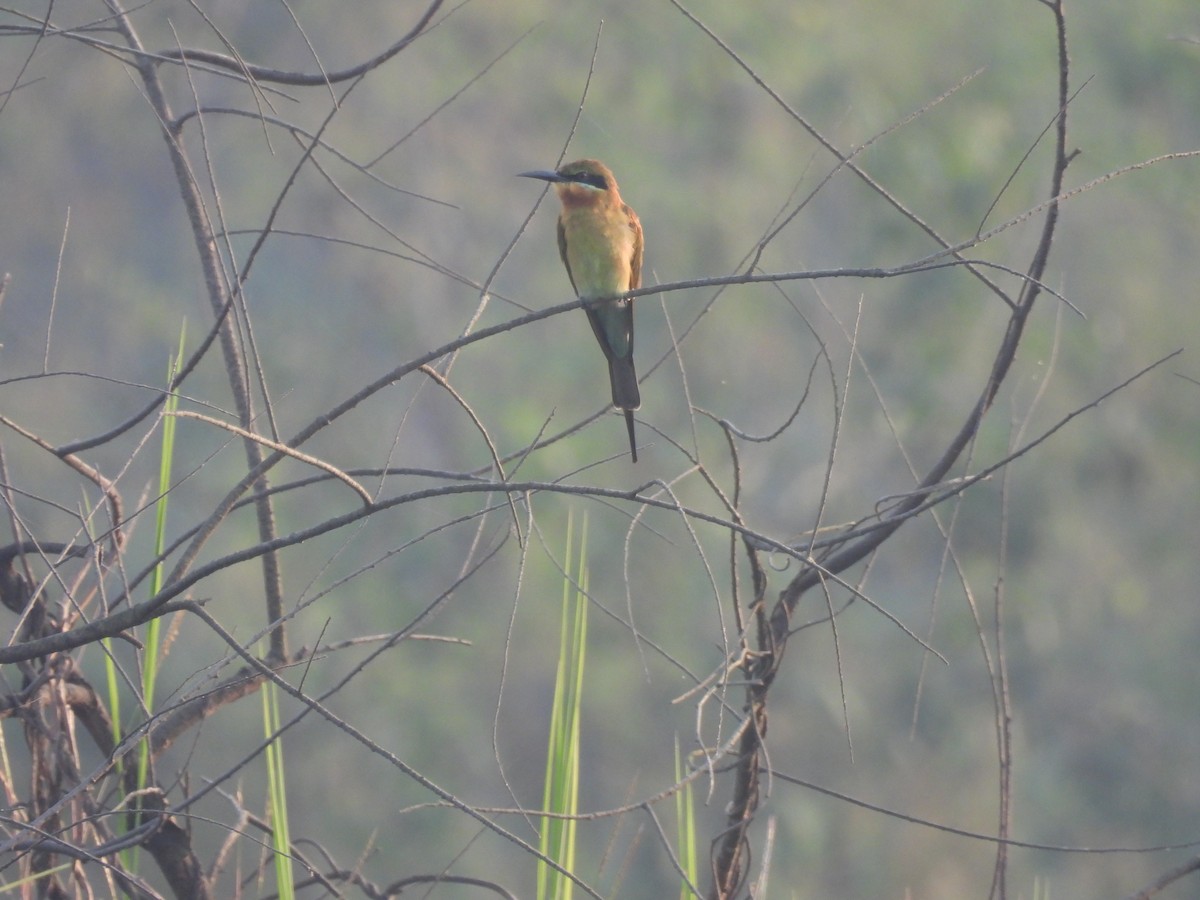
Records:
x=584, y=181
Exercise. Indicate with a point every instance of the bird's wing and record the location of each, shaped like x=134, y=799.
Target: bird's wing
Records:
x=562, y=252
x=635, y=264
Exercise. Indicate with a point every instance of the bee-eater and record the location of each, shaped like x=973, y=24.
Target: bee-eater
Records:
x=600, y=242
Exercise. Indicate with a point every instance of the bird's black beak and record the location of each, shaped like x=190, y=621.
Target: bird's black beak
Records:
x=543, y=175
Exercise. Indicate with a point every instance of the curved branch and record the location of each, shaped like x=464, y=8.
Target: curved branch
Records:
x=282, y=76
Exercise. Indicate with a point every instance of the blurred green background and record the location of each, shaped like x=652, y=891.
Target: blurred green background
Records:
x=1101, y=576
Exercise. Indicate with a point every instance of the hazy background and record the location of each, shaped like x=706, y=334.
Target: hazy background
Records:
x=1103, y=610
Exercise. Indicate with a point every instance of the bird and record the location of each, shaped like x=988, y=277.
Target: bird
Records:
x=600, y=242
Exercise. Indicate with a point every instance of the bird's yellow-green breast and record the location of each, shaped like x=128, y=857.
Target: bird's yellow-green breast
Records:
x=599, y=247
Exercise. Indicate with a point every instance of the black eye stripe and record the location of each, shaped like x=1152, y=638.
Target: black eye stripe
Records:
x=591, y=179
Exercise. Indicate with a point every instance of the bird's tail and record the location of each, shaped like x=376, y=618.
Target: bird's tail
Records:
x=625, y=393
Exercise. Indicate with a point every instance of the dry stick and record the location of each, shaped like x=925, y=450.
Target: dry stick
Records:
x=729, y=858
x=219, y=298
x=112, y=625
x=280, y=448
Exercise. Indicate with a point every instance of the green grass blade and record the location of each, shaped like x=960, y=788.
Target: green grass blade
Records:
x=281, y=840
x=561, y=784
x=685, y=829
